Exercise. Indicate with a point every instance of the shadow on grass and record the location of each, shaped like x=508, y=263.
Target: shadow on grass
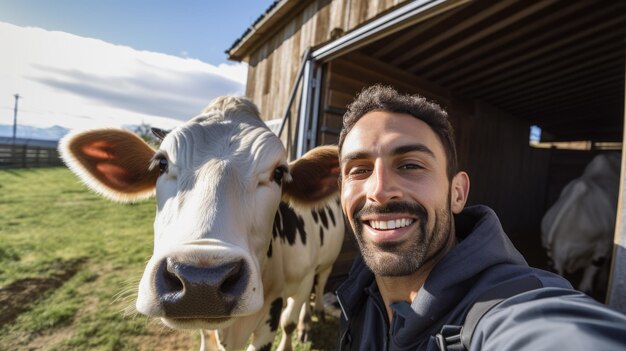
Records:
x=324, y=335
x=19, y=296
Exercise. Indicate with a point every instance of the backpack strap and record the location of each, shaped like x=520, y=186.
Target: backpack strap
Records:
x=456, y=338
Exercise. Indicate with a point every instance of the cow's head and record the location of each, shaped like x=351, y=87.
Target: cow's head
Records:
x=219, y=179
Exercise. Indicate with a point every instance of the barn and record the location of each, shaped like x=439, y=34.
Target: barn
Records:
x=500, y=68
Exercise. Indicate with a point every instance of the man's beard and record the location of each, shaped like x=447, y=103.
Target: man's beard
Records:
x=404, y=258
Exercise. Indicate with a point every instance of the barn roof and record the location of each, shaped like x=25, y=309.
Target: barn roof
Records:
x=275, y=13
x=557, y=63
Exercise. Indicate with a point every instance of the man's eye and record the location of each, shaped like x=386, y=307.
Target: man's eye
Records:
x=411, y=166
x=358, y=171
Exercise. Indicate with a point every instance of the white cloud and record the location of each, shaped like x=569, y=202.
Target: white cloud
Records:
x=83, y=83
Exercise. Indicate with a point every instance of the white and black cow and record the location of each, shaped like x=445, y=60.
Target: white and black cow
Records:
x=239, y=235
x=577, y=231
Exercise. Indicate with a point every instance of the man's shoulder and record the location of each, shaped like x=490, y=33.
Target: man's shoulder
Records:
x=500, y=276
x=504, y=273
x=550, y=317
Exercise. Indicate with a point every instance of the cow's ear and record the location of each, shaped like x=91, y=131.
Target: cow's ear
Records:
x=314, y=177
x=159, y=133
x=112, y=162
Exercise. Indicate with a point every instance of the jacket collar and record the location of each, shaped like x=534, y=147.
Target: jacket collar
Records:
x=482, y=244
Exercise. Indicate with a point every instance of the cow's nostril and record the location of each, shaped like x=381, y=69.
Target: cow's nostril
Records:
x=232, y=284
x=171, y=282
x=168, y=282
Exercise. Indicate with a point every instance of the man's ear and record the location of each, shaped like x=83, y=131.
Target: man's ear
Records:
x=459, y=190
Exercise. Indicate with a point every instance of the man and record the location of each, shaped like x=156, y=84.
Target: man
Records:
x=426, y=259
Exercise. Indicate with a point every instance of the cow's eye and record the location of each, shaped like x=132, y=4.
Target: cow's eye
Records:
x=160, y=160
x=278, y=175
x=163, y=164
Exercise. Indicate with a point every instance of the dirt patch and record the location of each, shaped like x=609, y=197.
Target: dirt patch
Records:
x=47, y=338
x=159, y=337
x=17, y=297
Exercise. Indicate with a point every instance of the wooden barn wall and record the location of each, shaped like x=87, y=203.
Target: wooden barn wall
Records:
x=349, y=74
x=505, y=173
x=274, y=64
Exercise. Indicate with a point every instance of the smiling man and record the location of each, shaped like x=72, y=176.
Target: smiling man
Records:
x=427, y=260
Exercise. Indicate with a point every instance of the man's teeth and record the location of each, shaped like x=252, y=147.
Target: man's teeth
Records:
x=392, y=224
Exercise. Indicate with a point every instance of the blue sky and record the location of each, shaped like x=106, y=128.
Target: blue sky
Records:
x=201, y=29
x=83, y=64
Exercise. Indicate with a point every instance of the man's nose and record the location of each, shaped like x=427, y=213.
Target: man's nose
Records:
x=382, y=185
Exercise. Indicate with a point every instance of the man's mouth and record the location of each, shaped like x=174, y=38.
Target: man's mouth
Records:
x=391, y=224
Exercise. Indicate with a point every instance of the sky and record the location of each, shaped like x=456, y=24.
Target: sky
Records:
x=85, y=64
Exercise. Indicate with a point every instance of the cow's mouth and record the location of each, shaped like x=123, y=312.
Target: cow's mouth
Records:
x=197, y=323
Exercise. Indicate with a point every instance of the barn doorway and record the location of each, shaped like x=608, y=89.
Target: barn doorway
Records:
x=498, y=68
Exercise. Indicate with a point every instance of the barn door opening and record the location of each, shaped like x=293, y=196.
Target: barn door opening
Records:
x=308, y=117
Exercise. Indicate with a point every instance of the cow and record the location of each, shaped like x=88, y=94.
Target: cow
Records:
x=577, y=231
x=240, y=234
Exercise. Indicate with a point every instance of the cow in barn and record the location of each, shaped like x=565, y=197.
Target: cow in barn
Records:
x=240, y=234
x=577, y=231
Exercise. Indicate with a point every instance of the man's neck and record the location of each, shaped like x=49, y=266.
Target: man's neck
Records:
x=405, y=288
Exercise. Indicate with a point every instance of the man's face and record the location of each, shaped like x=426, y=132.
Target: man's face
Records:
x=395, y=191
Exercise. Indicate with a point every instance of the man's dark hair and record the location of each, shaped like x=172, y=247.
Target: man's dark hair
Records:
x=385, y=98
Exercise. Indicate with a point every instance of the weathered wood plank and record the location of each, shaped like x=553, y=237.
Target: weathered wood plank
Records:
x=616, y=296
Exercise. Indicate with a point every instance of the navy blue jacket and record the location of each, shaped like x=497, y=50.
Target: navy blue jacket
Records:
x=554, y=317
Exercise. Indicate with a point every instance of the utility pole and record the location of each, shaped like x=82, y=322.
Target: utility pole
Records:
x=17, y=97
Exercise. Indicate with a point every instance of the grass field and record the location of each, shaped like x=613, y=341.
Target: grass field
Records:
x=69, y=266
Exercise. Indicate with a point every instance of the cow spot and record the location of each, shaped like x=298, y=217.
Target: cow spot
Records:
x=287, y=224
x=266, y=347
x=275, y=309
x=322, y=213
x=331, y=215
x=315, y=217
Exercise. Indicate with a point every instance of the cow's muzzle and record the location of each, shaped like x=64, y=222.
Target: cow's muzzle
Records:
x=204, y=282
x=196, y=291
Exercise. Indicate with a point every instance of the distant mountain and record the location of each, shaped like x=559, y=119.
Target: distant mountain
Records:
x=29, y=132
x=57, y=132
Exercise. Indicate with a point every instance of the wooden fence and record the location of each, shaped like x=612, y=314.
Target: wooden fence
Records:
x=28, y=156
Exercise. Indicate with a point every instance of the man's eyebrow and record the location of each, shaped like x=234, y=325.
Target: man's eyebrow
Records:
x=400, y=150
x=405, y=149
x=357, y=155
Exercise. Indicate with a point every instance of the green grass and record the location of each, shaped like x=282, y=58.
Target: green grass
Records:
x=92, y=251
